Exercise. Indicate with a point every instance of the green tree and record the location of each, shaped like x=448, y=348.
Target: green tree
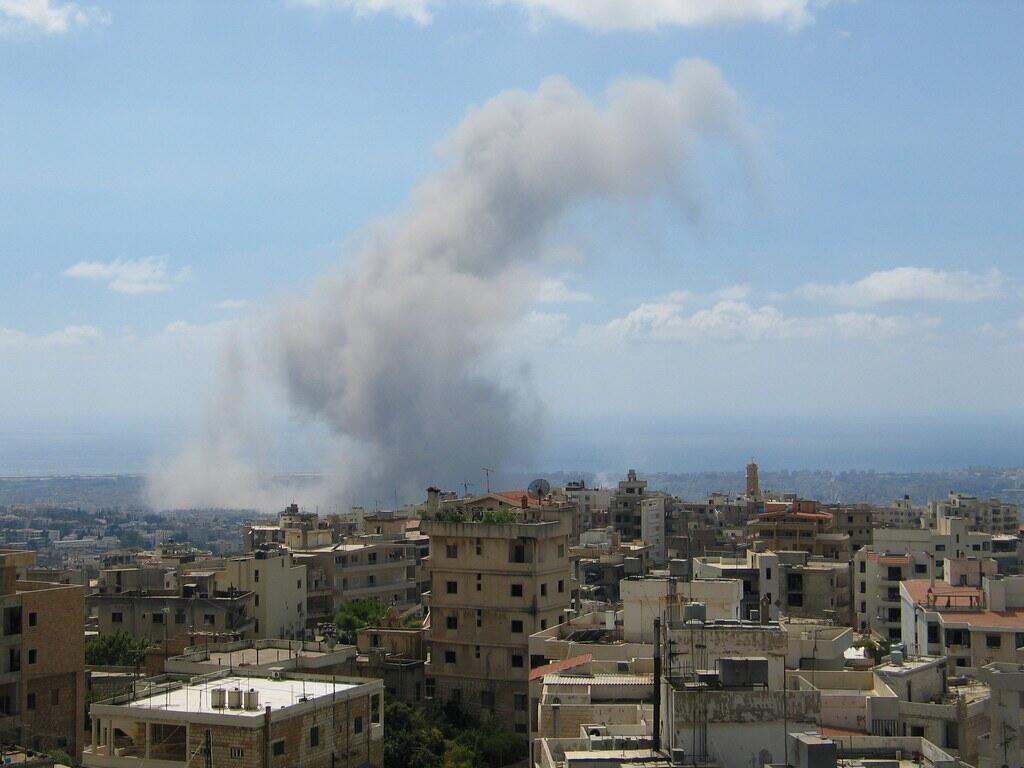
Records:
x=356, y=615
x=119, y=649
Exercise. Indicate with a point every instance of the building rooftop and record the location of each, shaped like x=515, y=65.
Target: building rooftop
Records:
x=196, y=698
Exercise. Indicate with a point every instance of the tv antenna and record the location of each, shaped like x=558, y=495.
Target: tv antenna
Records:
x=487, y=472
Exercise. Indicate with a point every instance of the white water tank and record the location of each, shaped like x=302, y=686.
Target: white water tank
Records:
x=235, y=698
x=609, y=620
x=252, y=699
x=218, y=698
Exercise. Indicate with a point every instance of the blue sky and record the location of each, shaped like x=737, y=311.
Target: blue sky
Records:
x=170, y=170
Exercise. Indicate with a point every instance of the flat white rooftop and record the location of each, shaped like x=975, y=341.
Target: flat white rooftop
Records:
x=276, y=693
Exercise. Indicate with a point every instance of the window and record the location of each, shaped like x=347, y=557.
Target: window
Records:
x=237, y=753
x=451, y=551
x=54, y=697
x=520, y=702
x=517, y=553
x=479, y=617
x=314, y=736
x=209, y=619
x=257, y=601
x=561, y=550
x=940, y=547
x=375, y=714
x=543, y=590
x=517, y=660
x=357, y=724
x=1020, y=639
x=32, y=656
x=991, y=641
x=429, y=687
x=561, y=585
x=520, y=727
x=487, y=699
x=476, y=651
x=920, y=568
x=543, y=624
x=861, y=565
x=452, y=622
x=256, y=577
x=479, y=582
x=30, y=701
x=863, y=587
x=179, y=617
x=479, y=547
x=768, y=573
x=517, y=590
x=452, y=587
x=863, y=607
x=278, y=748
x=298, y=584
x=32, y=619
x=116, y=617
x=517, y=626
x=158, y=618
x=449, y=657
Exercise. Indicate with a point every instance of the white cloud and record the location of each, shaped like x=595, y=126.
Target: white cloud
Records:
x=556, y=291
x=47, y=17
x=134, y=276
x=69, y=335
x=417, y=10
x=906, y=284
x=610, y=14
x=729, y=320
x=651, y=14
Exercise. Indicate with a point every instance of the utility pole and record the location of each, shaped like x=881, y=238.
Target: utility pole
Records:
x=487, y=472
x=657, y=684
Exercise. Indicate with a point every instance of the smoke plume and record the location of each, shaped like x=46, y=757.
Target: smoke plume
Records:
x=395, y=352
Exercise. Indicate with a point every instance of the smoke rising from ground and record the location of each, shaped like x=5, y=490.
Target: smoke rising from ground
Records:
x=394, y=352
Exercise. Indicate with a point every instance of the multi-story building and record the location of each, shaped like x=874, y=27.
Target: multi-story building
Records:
x=798, y=526
x=986, y=515
x=857, y=521
x=625, y=506
x=255, y=720
x=972, y=616
x=902, y=553
x=593, y=503
x=1003, y=745
x=42, y=661
x=652, y=525
x=497, y=576
x=196, y=605
x=278, y=585
x=901, y=514
x=792, y=584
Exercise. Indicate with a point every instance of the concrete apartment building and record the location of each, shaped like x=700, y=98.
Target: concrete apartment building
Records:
x=898, y=554
x=42, y=660
x=250, y=721
x=278, y=585
x=652, y=526
x=857, y=521
x=972, y=616
x=593, y=503
x=792, y=584
x=1003, y=743
x=798, y=526
x=985, y=515
x=724, y=694
x=902, y=513
x=625, y=506
x=196, y=605
x=497, y=576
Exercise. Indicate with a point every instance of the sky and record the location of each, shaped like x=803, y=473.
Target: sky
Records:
x=788, y=229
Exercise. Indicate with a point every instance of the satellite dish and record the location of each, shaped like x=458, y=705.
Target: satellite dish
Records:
x=539, y=488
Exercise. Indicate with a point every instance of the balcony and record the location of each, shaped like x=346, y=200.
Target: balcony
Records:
x=125, y=757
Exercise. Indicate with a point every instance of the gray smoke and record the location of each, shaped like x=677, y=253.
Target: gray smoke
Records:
x=396, y=353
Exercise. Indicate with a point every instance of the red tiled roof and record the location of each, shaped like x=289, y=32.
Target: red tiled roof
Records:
x=918, y=591
x=561, y=665
x=1011, y=619
x=516, y=497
